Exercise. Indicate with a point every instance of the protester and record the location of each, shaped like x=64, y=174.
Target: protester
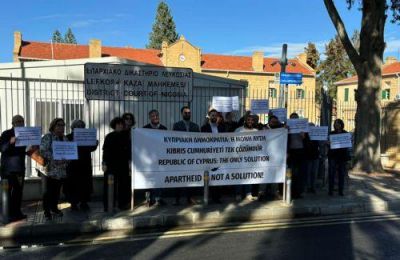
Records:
x=243, y=118
x=185, y=125
x=296, y=160
x=312, y=162
x=229, y=124
x=337, y=160
x=55, y=169
x=13, y=168
x=155, y=197
x=273, y=122
x=249, y=126
x=214, y=127
x=116, y=157
x=79, y=182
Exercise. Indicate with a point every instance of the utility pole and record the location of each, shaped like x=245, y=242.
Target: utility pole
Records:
x=283, y=62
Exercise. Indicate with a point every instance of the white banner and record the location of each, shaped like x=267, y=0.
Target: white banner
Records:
x=65, y=150
x=225, y=104
x=259, y=106
x=26, y=136
x=280, y=113
x=85, y=136
x=340, y=141
x=180, y=158
x=318, y=133
x=298, y=125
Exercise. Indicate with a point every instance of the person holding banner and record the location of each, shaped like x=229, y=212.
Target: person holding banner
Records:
x=55, y=169
x=248, y=126
x=337, y=160
x=155, y=197
x=185, y=125
x=213, y=127
x=229, y=124
x=79, y=182
x=116, y=157
x=13, y=168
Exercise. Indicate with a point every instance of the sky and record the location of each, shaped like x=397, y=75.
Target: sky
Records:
x=231, y=27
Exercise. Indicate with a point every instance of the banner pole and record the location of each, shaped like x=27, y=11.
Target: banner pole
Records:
x=132, y=172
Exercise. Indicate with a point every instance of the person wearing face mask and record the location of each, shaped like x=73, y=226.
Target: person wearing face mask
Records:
x=13, y=168
x=56, y=169
x=185, y=125
x=116, y=162
x=79, y=182
x=214, y=127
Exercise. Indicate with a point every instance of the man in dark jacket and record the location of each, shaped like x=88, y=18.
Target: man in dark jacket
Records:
x=185, y=125
x=213, y=127
x=154, y=198
x=13, y=168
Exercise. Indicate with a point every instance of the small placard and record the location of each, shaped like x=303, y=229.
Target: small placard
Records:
x=65, y=150
x=340, y=141
x=318, y=133
x=298, y=125
x=26, y=136
x=85, y=136
x=280, y=113
x=225, y=104
x=259, y=106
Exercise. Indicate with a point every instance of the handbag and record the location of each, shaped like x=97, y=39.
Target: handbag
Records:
x=41, y=164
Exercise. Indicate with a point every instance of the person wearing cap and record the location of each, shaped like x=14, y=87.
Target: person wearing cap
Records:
x=78, y=185
x=13, y=168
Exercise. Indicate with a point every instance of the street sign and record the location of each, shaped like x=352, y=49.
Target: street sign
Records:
x=291, y=78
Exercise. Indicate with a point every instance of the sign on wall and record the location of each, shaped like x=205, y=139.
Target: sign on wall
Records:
x=139, y=83
x=182, y=157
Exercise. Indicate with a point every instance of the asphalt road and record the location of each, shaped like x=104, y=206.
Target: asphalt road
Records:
x=364, y=237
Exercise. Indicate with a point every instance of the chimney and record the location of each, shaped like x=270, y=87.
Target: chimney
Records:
x=390, y=60
x=17, y=45
x=94, y=48
x=302, y=57
x=258, y=61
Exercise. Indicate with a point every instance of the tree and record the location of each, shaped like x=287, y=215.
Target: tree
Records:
x=368, y=65
x=336, y=65
x=163, y=28
x=57, y=37
x=312, y=55
x=69, y=37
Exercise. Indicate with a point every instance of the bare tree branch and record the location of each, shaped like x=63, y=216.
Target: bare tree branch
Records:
x=341, y=30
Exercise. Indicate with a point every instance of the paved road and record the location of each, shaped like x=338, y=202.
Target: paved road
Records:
x=358, y=237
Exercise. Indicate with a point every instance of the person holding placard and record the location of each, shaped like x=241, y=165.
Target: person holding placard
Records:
x=155, y=196
x=79, y=182
x=185, y=125
x=116, y=157
x=249, y=125
x=55, y=169
x=13, y=168
x=337, y=159
x=312, y=162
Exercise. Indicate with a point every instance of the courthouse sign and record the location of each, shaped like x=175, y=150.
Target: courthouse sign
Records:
x=231, y=158
x=139, y=83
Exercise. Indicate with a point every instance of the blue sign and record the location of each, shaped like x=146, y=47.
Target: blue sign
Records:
x=291, y=78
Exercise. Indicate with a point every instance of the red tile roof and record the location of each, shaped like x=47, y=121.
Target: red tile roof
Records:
x=62, y=51
x=387, y=70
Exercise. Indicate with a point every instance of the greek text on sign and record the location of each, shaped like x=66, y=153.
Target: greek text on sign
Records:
x=225, y=104
x=340, y=141
x=318, y=133
x=181, y=158
x=259, y=106
x=64, y=150
x=139, y=83
x=298, y=125
x=85, y=136
x=26, y=136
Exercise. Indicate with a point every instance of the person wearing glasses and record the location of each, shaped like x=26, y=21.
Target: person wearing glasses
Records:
x=55, y=169
x=13, y=168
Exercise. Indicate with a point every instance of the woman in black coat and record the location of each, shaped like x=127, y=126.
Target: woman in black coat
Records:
x=79, y=182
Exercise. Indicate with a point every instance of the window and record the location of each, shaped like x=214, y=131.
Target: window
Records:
x=346, y=94
x=272, y=92
x=386, y=94
x=300, y=93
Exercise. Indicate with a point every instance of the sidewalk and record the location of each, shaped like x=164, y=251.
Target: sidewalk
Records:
x=363, y=194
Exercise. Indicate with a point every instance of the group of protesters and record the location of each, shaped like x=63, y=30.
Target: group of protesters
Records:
x=75, y=176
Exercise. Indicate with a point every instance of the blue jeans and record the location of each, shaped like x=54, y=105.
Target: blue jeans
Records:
x=339, y=167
